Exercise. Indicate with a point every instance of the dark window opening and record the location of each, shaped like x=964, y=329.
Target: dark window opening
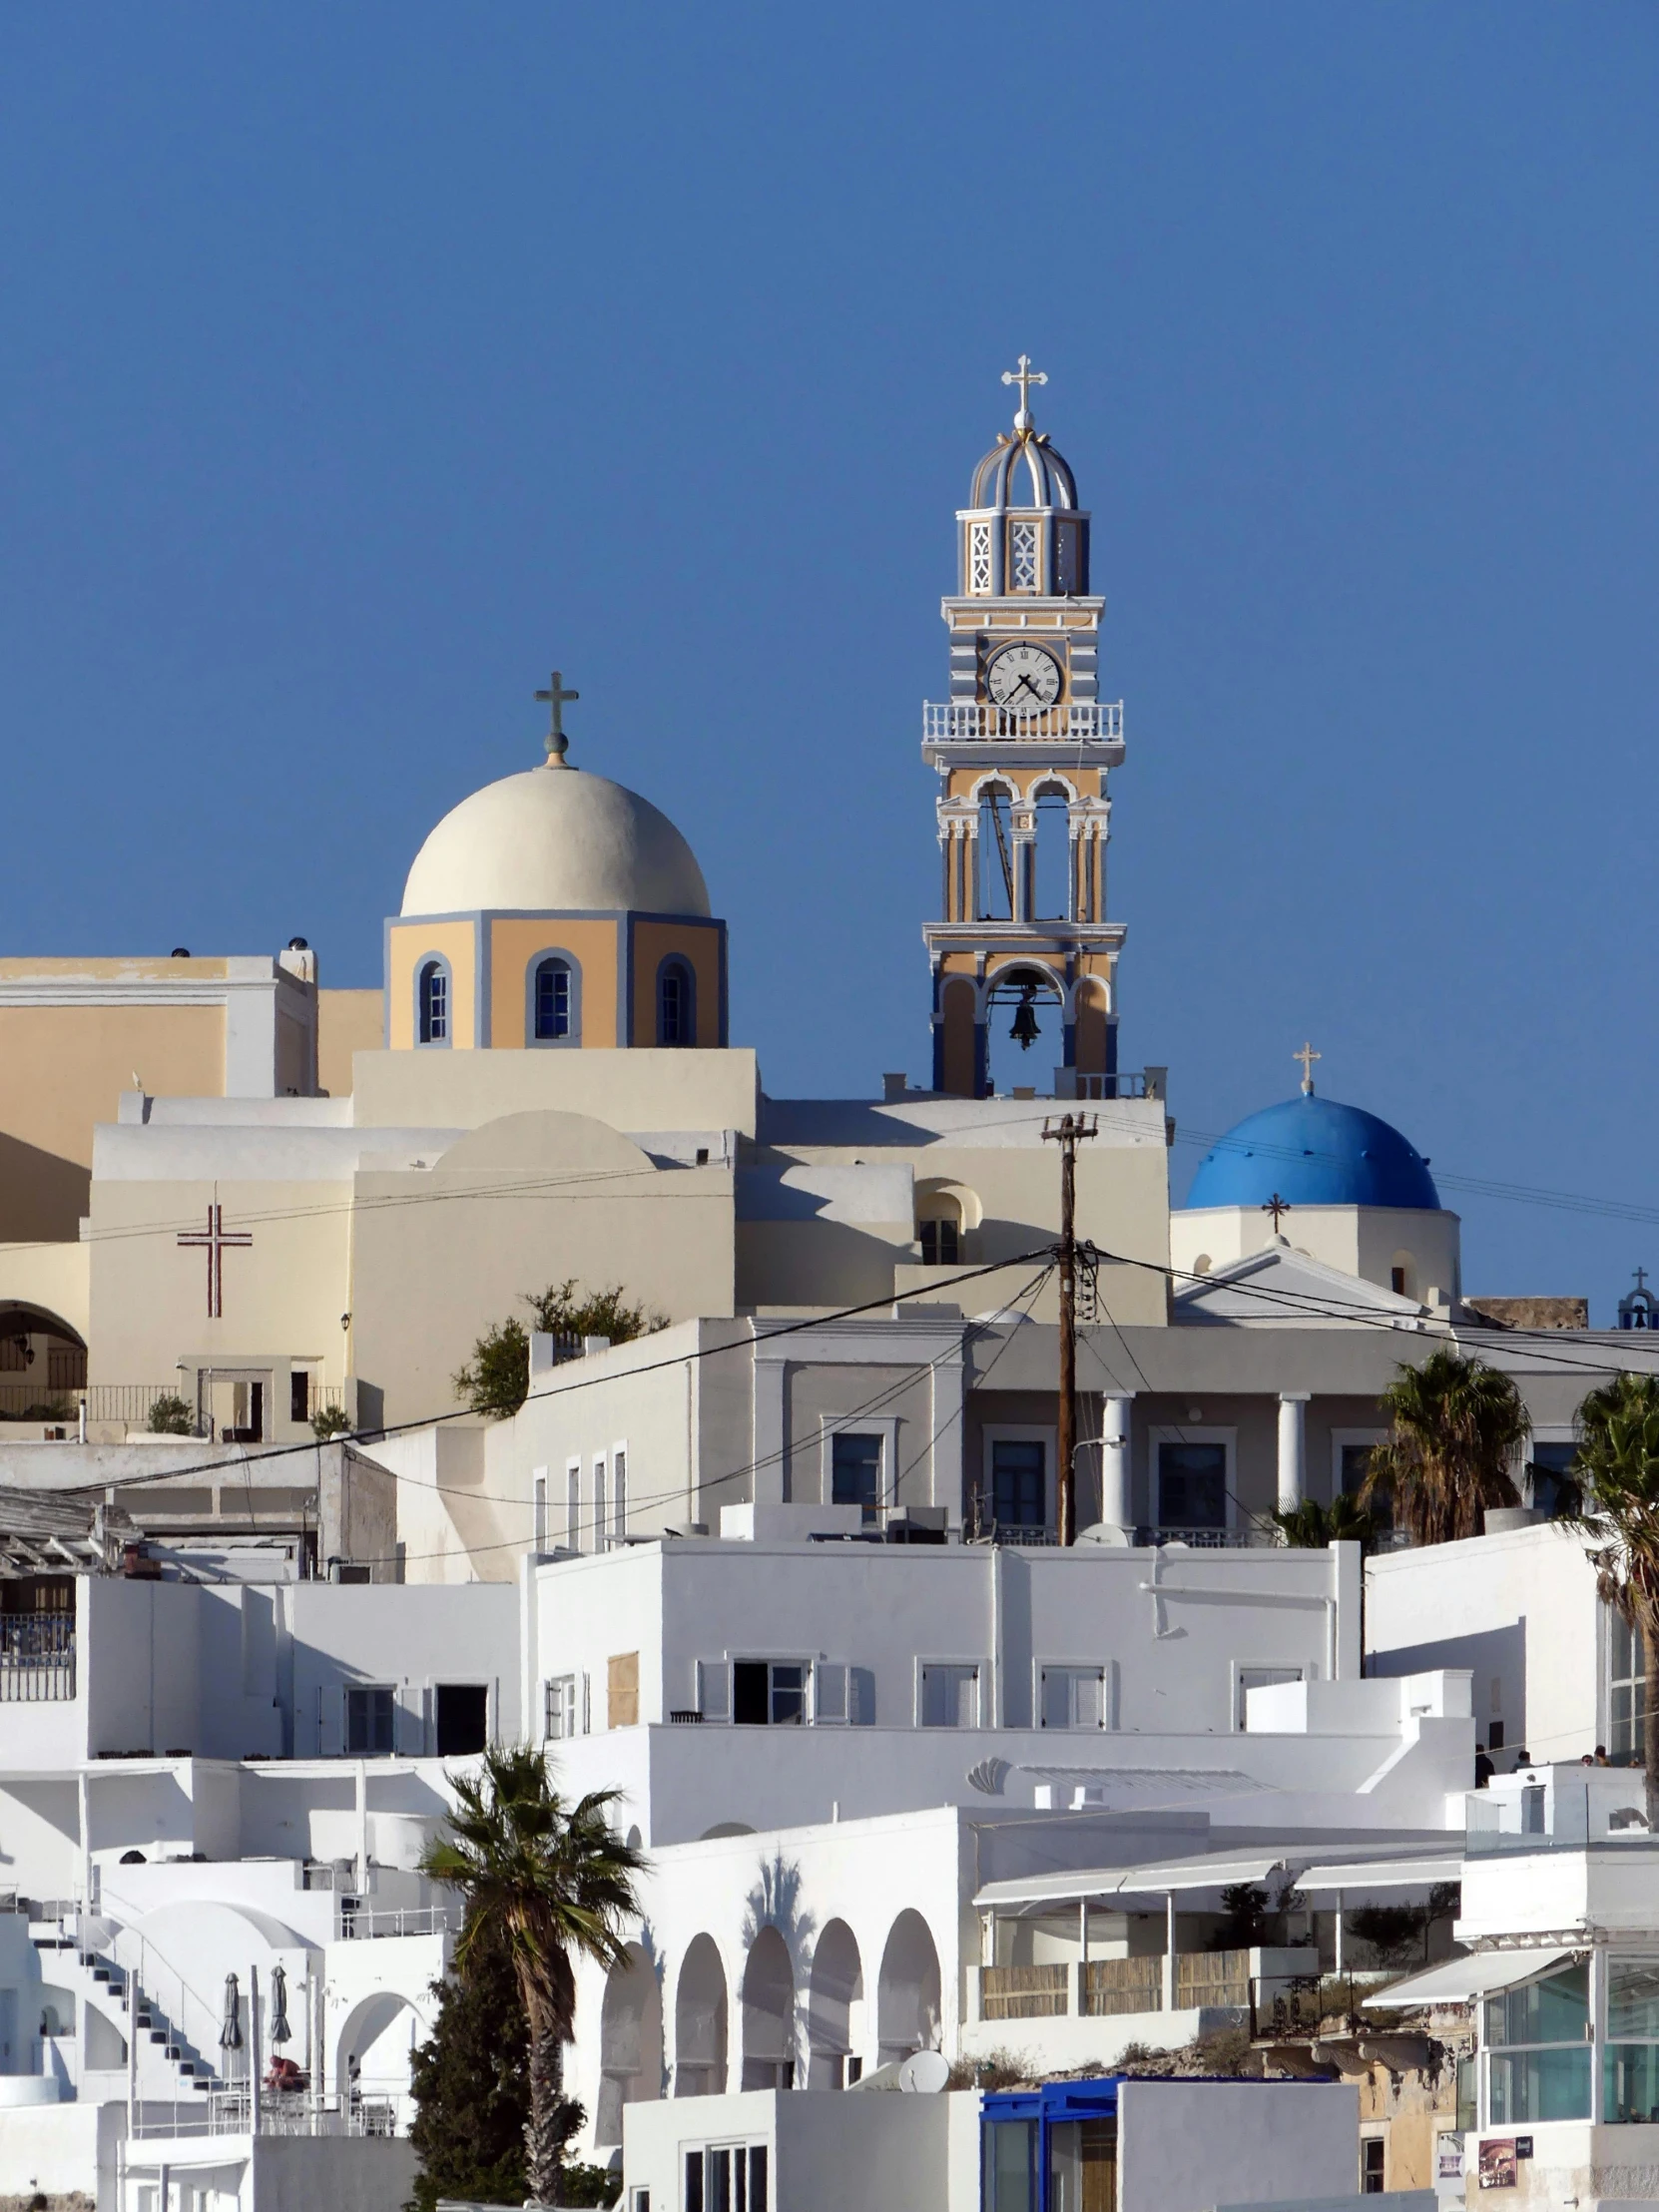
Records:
x=552, y=1001
x=463, y=1719
x=1019, y=1484
x=1191, y=1485
x=942, y=1245
x=1396, y=1280
x=435, y=1003
x=300, y=1395
x=676, y=1016
x=1372, y=2152
x=368, y=1724
x=855, y=1474
x=767, y=1695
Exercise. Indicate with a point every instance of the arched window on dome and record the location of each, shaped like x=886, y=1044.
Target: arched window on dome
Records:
x=553, y=1014
x=676, y=1003
x=434, y=1002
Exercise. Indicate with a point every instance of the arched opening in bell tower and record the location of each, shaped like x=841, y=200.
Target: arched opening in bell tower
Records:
x=1025, y=1029
x=1052, y=864
x=995, y=892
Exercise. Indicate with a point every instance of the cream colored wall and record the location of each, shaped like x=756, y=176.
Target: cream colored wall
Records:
x=451, y=1523
x=514, y=944
x=54, y=1277
x=818, y=1262
x=1361, y=1241
x=346, y=1023
x=62, y=1071
x=644, y=1091
x=442, y=1253
x=697, y=944
x=407, y=946
x=283, y=1297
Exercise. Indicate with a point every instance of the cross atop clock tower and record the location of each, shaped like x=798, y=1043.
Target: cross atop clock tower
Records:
x=1023, y=748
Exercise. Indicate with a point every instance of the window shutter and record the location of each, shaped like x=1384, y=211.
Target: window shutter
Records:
x=860, y=1696
x=714, y=1689
x=829, y=1688
x=330, y=1722
x=587, y=1704
x=409, y=1721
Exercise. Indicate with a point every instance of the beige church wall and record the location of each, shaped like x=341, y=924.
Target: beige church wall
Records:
x=283, y=1297
x=346, y=1023
x=817, y=1262
x=1427, y=1244
x=526, y=1201
x=63, y=1070
x=640, y=1090
x=409, y=944
x=515, y=943
x=56, y=1278
x=697, y=944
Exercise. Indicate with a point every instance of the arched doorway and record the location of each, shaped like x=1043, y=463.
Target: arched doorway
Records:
x=43, y=1364
x=835, y=2008
x=700, y=2022
x=908, y=1994
x=371, y=2062
x=769, y=2015
x=630, y=2043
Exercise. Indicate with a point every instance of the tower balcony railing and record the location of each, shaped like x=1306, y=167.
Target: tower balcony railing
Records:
x=1094, y=723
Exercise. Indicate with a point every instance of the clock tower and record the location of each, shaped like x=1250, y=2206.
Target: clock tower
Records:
x=1023, y=747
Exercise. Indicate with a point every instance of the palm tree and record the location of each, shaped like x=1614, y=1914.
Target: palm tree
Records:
x=1456, y=1423
x=1618, y=1464
x=1311, y=1527
x=554, y=1883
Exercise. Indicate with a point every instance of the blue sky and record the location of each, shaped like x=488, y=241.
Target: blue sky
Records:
x=357, y=365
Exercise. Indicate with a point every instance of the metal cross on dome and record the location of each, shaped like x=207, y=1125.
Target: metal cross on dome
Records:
x=1306, y=1056
x=1278, y=1207
x=216, y=1239
x=556, y=696
x=1025, y=376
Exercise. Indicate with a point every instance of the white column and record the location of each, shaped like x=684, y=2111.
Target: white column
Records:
x=1115, y=1471
x=1169, y=1952
x=1293, y=1449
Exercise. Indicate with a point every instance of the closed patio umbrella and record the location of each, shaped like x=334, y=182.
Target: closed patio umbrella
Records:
x=230, y=2034
x=280, y=2033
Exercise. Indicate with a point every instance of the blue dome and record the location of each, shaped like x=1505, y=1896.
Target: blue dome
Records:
x=1313, y=1152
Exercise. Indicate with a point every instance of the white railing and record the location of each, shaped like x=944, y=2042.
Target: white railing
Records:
x=1097, y=722
x=371, y=2108
x=37, y=1658
x=357, y=1924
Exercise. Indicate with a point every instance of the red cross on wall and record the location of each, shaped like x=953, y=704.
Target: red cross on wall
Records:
x=213, y=1240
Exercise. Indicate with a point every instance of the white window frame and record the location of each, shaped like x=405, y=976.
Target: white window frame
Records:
x=370, y=1689
x=570, y=1686
x=980, y=1667
x=747, y=1654
x=601, y=1500
x=573, y=1504
x=831, y=1425
x=1018, y=1433
x=1051, y=1662
x=1299, y=1670
x=540, y=1527
x=619, y=1490
x=1178, y=1432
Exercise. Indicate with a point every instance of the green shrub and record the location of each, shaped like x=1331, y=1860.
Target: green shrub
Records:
x=169, y=1415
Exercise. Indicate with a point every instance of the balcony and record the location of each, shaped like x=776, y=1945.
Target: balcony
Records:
x=1107, y=1989
x=969, y=722
x=37, y=1658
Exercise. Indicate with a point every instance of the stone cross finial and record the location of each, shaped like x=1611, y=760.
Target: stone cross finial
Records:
x=555, y=696
x=1306, y=1056
x=1025, y=376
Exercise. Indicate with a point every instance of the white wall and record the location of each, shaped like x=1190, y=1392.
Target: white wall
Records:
x=1184, y=2146
x=884, y=2154
x=1519, y=1611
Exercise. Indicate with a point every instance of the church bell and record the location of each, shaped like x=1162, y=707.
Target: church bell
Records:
x=1025, y=1030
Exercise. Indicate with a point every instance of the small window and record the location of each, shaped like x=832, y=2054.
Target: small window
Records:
x=765, y=1694
x=368, y=1724
x=1356, y=1471
x=1373, y=2154
x=619, y=1493
x=950, y=1697
x=463, y=1719
x=1073, y=1697
x=676, y=1004
x=855, y=1474
x=599, y=1530
x=1396, y=1284
x=1627, y=1701
x=1191, y=1485
x=1019, y=1482
x=561, y=1709
x=538, y=1518
x=552, y=1001
x=300, y=1395
x=435, y=1003
x=941, y=1242
x=573, y=1506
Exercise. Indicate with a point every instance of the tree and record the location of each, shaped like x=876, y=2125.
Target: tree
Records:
x=553, y=1883
x=330, y=1420
x=1618, y=1465
x=470, y=2085
x=1456, y=1423
x=1311, y=1527
x=496, y=1381
x=169, y=1417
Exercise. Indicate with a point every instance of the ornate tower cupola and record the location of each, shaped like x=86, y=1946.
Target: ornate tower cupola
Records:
x=1023, y=748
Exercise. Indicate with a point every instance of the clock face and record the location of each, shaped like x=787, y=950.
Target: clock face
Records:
x=1023, y=676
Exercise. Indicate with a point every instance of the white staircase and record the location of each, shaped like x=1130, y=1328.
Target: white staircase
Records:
x=168, y=2065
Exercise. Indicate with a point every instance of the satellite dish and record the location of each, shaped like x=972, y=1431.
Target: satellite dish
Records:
x=924, y=2072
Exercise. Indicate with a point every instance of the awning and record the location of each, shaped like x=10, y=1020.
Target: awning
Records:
x=1461, y=1980
x=1213, y=1871
x=1363, y=1875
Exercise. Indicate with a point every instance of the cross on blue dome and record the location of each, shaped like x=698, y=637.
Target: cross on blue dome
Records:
x=1314, y=1152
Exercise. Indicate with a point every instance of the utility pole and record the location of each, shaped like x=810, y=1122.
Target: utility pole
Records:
x=1067, y=1133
